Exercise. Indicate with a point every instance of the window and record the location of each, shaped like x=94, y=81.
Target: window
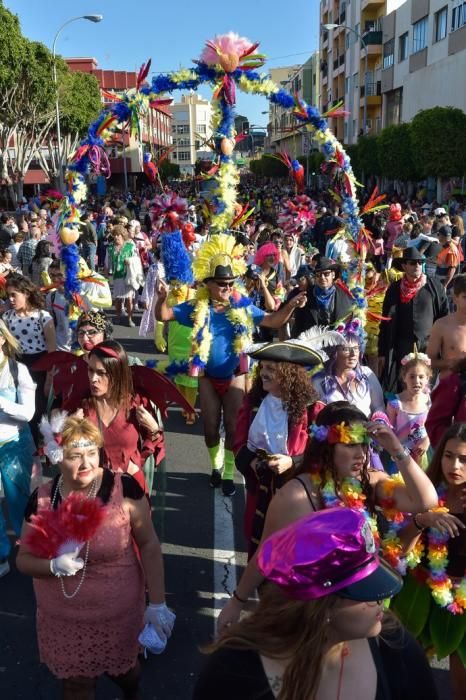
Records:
x=458, y=16
x=388, y=53
x=201, y=128
x=356, y=31
x=347, y=40
x=182, y=128
x=184, y=155
x=441, y=19
x=420, y=35
x=347, y=83
x=403, y=47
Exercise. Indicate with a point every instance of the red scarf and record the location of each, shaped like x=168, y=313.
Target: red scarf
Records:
x=408, y=290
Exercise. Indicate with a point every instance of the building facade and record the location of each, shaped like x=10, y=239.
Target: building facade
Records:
x=425, y=58
x=302, y=81
x=156, y=125
x=191, y=131
x=351, y=46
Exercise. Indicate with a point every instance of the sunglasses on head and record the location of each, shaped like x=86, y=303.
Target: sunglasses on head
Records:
x=223, y=284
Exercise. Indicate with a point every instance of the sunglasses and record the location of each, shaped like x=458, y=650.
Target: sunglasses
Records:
x=323, y=273
x=224, y=285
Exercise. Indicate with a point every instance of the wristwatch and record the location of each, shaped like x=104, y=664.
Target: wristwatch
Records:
x=399, y=457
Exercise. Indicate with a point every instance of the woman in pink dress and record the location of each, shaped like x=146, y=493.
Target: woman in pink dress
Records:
x=90, y=602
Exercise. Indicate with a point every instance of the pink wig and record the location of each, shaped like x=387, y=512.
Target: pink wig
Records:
x=264, y=251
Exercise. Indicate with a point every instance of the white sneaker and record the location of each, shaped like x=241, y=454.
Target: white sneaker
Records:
x=4, y=568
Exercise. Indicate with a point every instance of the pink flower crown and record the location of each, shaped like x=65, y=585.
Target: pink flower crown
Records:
x=420, y=356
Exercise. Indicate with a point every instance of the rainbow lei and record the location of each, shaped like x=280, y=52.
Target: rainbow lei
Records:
x=350, y=496
x=391, y=546
x=445, y=592
x=237, y=315
x=355, y=434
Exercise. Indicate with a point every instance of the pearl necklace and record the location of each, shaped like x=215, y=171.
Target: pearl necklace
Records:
x=90, y=494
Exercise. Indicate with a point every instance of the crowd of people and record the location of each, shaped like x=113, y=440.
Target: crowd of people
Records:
x=342, y=406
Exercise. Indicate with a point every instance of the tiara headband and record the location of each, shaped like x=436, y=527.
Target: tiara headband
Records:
x=355, y=434
x=110, y=352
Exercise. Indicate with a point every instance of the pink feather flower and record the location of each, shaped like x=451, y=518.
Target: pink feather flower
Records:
x=225, y=44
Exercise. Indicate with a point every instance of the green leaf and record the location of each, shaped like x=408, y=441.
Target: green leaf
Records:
x=447, y=630
x=461, y=651
x=412, y=605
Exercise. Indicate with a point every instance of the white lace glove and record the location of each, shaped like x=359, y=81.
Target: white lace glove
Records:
x=161, y=618
x=67, y=564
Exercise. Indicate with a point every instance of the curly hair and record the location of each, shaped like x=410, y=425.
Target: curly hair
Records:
x=35, y=298
x=296, y=390
x=319, y=455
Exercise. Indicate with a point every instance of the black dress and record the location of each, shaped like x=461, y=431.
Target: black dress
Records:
x=402, y=673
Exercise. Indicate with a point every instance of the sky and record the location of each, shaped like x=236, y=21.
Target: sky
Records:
x=173, y=33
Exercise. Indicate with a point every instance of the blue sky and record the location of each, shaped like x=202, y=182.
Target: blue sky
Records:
x=173, y=33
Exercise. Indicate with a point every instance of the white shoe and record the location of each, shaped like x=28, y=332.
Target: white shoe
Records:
x=4, y=568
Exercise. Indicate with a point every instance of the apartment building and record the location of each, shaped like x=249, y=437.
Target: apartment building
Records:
x=351, y=48
x=424, y=62
x=191, y=129
x=300, y=80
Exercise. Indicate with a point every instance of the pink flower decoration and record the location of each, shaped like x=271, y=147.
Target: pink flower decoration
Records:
x=225, y=44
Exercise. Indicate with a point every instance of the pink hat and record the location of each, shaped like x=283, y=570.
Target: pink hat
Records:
x=328, y=552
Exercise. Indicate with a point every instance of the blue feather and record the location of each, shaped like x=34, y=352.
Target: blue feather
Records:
x=175, y=258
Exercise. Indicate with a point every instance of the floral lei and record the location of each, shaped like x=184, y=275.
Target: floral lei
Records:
x=350, y=496
x=445, y=592
x=202, y=337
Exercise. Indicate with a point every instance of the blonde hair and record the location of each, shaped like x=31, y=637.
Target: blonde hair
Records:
x=76, y=429
x=11, y=345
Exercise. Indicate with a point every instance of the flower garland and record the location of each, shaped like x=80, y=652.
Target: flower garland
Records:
x=445, y=592
x=355, y=434
x=237, y=315
x=350, y=496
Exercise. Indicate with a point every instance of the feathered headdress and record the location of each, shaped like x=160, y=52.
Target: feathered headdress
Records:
x=320, y=337
x=51, y=431
x=221, y=250
x=175, y=258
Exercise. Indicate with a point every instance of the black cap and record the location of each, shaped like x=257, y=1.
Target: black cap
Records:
x=222, y=272
x=445, y=231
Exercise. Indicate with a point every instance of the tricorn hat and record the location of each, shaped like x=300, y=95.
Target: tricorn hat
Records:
x=307, y=350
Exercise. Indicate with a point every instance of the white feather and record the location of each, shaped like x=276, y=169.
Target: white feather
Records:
x=320, y=337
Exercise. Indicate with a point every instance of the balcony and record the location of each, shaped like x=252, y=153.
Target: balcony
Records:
x=374, y=94
x=372, y=4
x=372, y=42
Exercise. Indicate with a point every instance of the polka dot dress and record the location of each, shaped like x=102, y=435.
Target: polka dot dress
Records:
x=28, y=330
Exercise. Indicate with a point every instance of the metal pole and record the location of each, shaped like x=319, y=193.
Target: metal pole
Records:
x=92, y=18
x=125, y=172
x=364, y=125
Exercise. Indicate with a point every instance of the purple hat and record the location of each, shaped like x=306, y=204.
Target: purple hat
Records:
x=331, y=551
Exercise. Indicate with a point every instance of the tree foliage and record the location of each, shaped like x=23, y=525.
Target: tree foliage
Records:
x=395, y=153
x=79, y=100
x=368, y=154
x=438, y=138
x=169, y=170
x=12, y=48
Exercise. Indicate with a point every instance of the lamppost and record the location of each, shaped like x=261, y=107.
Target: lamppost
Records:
x=90, y=18
x=360, y=38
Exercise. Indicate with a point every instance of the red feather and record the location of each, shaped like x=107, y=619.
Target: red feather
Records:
x=143, y=72
x=76, y=521
x=249, y=51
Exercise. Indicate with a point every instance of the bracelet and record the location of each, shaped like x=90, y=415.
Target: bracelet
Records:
x=401, y=455
x=240, y=600
x=416, y=524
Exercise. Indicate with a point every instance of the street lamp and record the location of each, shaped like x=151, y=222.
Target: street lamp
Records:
x=90, y=18
x=327, y=27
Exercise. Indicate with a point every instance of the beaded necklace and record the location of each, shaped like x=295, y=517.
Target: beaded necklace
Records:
x=90, y=494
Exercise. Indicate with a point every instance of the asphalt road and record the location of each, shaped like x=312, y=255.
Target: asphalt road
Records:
x=203, y=550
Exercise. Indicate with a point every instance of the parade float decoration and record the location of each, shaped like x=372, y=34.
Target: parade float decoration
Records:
x=228, y=63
